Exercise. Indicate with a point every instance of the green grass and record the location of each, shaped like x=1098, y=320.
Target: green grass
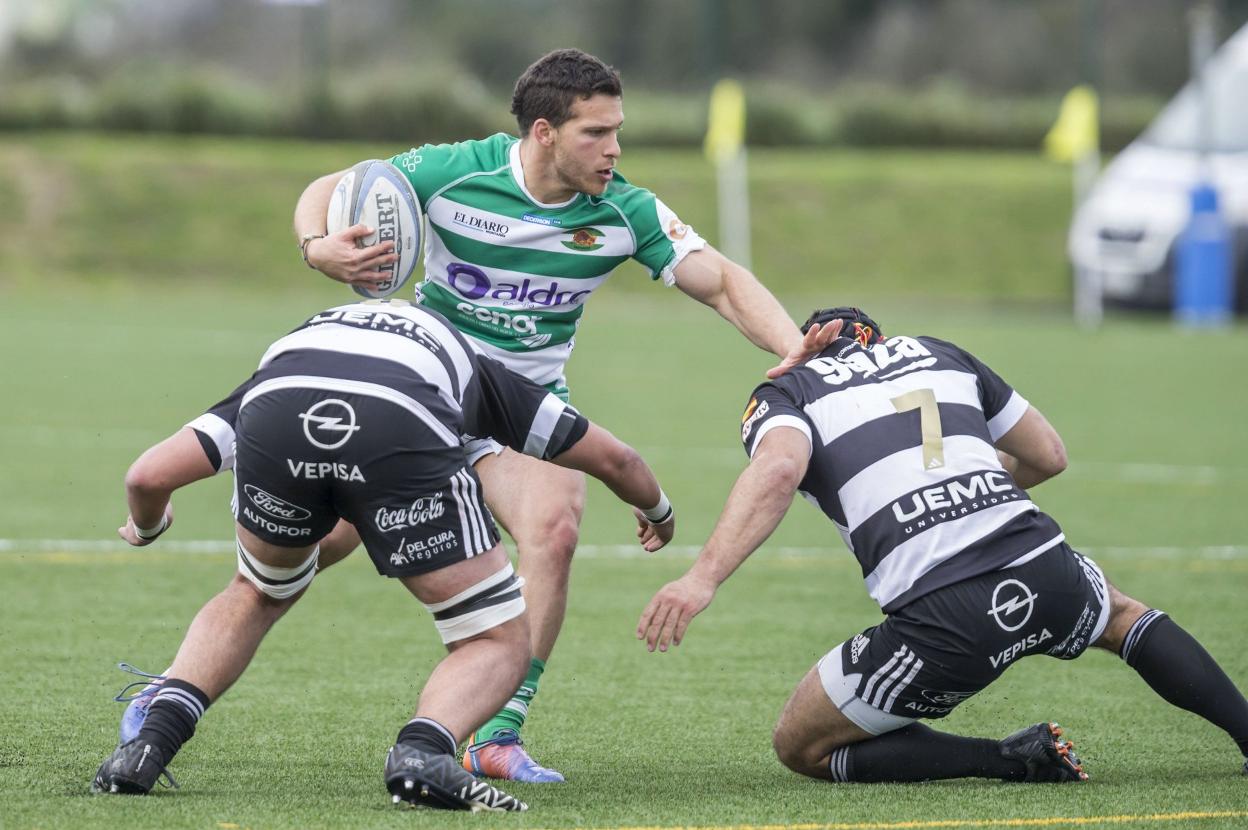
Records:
x=1153, y=422
x=176, y=210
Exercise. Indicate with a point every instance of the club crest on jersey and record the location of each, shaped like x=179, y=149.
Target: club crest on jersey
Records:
x=676, y=230
x=583, y=239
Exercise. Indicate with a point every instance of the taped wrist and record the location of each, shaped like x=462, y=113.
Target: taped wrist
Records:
x=661, y=512
x=149, y=534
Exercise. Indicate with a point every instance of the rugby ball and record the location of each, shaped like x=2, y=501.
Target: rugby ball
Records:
x=377, y=194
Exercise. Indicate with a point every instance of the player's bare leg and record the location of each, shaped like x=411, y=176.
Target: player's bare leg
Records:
x=810, y=728
x=224, y=636
x=338, y=544
x=335, y=547
x=480, y=672
x=814, y=738
x=540, y=505
x=1175, y=665
x=218, y=646
x=466, y=687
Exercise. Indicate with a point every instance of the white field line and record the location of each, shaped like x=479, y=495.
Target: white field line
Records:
x=950, y=824
x=1112, y=472
x=591, y=551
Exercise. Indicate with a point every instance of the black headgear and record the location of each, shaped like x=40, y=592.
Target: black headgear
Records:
x=858, y=326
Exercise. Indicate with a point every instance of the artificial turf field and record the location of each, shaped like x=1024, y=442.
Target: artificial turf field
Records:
x=1153, y=421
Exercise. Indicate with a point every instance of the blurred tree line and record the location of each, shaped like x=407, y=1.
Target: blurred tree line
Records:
x=818, y=72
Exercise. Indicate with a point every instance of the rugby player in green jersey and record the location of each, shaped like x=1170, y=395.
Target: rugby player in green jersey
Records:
x=520, y=232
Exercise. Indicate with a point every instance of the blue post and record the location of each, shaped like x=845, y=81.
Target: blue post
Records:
x=1203, y=294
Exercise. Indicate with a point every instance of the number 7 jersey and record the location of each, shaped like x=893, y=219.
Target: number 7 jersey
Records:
x=903, y=462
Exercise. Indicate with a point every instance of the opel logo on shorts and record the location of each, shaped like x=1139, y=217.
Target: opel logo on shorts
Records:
x=329, y=424
x=1012, y=604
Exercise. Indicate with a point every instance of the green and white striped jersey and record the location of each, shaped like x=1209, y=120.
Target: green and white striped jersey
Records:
x=514, y=273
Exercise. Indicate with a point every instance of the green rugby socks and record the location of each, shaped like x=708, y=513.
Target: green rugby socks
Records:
x=516, y=710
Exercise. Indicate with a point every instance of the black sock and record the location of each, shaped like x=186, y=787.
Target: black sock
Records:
x=171, y=720
x=1179, y=669
x=917, y=753
x=428, y=735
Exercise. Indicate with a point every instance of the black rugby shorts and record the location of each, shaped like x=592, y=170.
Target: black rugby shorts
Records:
x=307, y=456
x=941, y=649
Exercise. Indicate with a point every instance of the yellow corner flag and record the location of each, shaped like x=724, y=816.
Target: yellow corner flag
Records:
x=725, y=131
x=1076, y=131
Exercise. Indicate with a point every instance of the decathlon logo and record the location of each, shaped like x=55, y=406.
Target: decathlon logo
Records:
x=1012, y=604
x=329, y=424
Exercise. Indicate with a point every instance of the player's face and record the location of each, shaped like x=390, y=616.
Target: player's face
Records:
x=587, y=145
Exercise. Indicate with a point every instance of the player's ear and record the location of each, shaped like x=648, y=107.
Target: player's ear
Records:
x=543, y=132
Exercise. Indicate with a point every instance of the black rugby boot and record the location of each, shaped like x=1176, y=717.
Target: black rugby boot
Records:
x=425, y=779
x=1046, y=757
x=132, y=769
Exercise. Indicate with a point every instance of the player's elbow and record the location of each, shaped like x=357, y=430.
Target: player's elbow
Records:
x=782, y=473
x=1053, y=459
x=145, y=478
x=623, y=463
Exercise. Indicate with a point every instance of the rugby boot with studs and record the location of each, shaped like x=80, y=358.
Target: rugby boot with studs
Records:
x=418, y=778
x=505, y=758
x=1046, y=756
x=132, y=769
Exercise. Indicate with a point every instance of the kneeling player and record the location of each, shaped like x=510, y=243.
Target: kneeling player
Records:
x=920, y=454
x=358, y=415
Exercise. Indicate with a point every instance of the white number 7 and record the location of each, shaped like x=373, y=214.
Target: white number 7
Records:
x=924, y=400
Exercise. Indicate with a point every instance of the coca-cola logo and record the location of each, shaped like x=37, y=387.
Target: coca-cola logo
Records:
x=417, y=513
x=275, y=507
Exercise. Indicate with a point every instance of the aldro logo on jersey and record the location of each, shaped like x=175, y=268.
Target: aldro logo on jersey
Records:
x=583, y=239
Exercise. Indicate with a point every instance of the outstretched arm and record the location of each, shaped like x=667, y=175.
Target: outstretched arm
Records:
x=714, y=280
x=337, y=255
x=517, y=412
x=175, y=462
x=622, y=469
x=736, y=294
x=757, y=503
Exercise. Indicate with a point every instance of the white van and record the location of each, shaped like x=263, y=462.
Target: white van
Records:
x=1127, y=227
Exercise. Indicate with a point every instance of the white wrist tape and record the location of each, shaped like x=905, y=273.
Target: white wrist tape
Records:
x=147, y=534
x=661, y=512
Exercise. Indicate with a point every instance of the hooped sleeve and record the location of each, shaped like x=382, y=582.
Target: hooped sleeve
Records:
x=513, y=410
x=769, y=408
x=215, y=428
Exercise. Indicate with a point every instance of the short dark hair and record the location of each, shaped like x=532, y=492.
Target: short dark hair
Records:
x=555, y=81
x=858, y=326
